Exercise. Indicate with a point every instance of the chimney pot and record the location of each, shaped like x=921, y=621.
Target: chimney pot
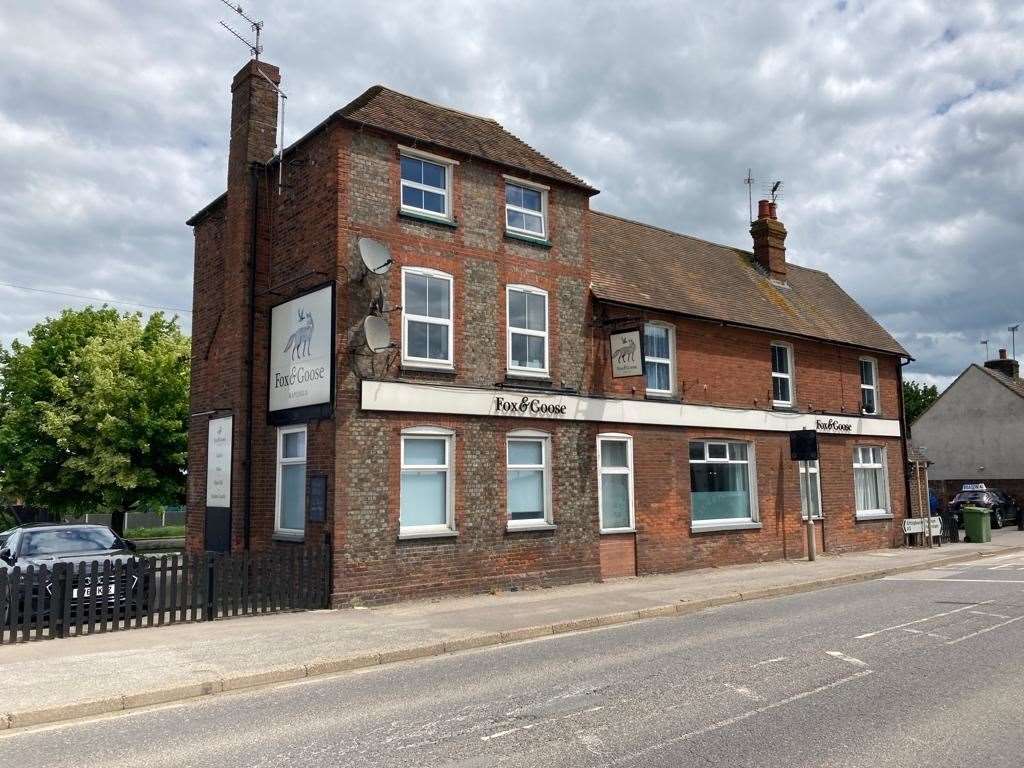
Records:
x=1002, y=354
x=763, y=211
x=771, y=211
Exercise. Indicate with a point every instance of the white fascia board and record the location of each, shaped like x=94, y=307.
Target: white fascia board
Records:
x=525, y=405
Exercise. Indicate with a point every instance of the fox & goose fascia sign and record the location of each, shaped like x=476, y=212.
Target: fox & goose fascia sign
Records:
x=301, y=369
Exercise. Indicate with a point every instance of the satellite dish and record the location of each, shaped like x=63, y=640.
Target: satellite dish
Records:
x=375, y=255
x=377, y=333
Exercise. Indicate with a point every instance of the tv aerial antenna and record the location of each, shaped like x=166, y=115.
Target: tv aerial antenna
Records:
x=1013, y=339
x=985, y=342
x=749, y=181
x=255, y=49
x=254, y=46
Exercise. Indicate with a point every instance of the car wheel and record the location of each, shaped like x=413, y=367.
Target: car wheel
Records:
x=997, y=518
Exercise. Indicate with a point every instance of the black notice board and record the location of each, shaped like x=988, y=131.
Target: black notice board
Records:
x=217, y=529
x=316, y=497
x=803, y=445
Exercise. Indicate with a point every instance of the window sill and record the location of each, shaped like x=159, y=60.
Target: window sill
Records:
x=538, y=241
x=543, y=376
x=725, y=525
x=790, y=408
x=816, y=518
x=413, y=365
x=413, y=534
x=662, y=397
x=613, y=531
x=297, y=537
x=440, y=220
x=511, y=527
x=879, y=515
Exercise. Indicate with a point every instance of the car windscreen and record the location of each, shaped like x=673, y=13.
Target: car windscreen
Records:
x=970, y=496
x=67, y=541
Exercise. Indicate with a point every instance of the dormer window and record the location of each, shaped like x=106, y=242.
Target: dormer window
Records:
x=426, y=184
x=526, y=208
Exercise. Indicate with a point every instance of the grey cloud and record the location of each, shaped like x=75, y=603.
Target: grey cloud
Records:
x=896, y=127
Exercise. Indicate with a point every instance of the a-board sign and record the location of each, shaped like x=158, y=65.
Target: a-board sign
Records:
x=803, y=445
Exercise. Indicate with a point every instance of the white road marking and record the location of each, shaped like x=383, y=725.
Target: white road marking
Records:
x=983, y=631
x=981, y=581
x=926, y=618
x=998, y=567
x=737, y=718
x=527, y=727
x=848, y=659
x=769, y=661
x=993, y=615
x=743, y=691
x=929, y=634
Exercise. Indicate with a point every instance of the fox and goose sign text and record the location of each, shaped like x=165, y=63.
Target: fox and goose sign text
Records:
x=301, y=336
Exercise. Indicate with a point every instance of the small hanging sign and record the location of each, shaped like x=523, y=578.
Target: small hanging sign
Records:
x=627, y=355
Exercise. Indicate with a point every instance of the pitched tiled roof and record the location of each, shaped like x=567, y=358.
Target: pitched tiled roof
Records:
x=1014, y=385
x=481, y=137
x=644, y=266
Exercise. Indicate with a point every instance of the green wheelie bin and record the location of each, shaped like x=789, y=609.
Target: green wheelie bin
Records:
x=977, y=525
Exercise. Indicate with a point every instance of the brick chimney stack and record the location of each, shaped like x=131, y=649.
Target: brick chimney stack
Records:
x=1004, y=365
x=769, y=240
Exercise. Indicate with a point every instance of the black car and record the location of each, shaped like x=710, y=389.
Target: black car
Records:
x=62, y=548
x=1001, y=507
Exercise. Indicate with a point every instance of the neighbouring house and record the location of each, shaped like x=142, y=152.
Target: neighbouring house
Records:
x=427, y=352
x=974, y=431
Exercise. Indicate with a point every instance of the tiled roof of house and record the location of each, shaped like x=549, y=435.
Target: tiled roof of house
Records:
x=645, y=266
x=482, y=137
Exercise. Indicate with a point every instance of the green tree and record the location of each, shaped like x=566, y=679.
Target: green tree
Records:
x=917, y=398
x=94, y=413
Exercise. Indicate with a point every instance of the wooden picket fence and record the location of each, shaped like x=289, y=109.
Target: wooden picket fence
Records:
x=111, y=596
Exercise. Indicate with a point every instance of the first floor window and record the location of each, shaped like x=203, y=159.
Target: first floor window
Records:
x=527, y=330
x=426, y=486
x=529, y=479
x=426, y=317
x=615, y=482
x=782, y=375
x=721, y=483
x=810, y=490
x=868, y=386
x=658, y=358
x=290, y=509
x=870, y=485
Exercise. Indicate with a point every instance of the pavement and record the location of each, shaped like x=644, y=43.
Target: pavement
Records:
x=58, y=680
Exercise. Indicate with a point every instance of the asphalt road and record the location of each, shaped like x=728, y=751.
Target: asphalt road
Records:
x=925, y=669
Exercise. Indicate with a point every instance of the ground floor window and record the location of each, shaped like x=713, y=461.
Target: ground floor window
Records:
x=529, y=479
x=810, y=490
x=615, y=482
x=870, y=482
x=425, y=505
x=721, y=482
x=290, y=503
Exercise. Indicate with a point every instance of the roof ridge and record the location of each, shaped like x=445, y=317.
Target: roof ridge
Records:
x=789, y=264
x=378, y=88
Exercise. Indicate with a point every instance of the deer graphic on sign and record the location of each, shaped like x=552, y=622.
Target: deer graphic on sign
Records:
x=626, y=353
x=298, y=342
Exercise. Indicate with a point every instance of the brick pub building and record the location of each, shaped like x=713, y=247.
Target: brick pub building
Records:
x=490, y=445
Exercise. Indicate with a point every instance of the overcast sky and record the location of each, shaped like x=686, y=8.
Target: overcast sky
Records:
x=897, y=128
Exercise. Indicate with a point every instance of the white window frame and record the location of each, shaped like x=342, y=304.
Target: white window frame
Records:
x=873, y=387
x=726, y=524
x=430, y=433
x=528, y=435
x=872, y=514
x=281, y=462
x=671, y=360
x=516, y=370
x=421, y=362
x=543, y=213
x=615, y=437
x=790, y=377
x=814, y=468
x=449, y=166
